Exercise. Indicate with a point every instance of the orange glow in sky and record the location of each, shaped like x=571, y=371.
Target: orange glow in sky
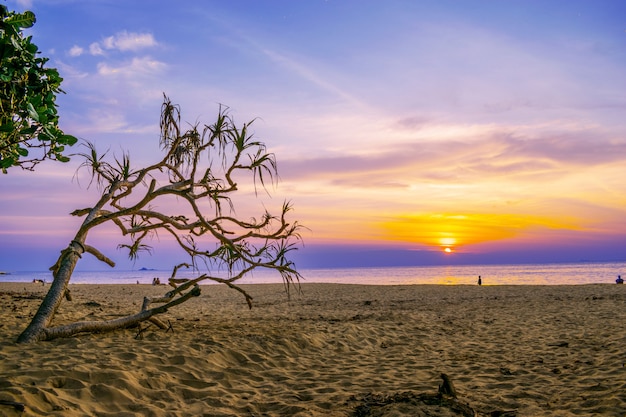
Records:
x=451, y=231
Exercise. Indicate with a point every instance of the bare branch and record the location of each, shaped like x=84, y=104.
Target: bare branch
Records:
x=120, y=323
x=99, y=255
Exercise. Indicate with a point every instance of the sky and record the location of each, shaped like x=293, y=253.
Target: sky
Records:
x=406, y=132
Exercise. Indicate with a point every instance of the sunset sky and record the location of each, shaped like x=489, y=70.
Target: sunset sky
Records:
x=496, y=129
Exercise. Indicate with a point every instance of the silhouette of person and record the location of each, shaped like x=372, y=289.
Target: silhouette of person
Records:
x=480, y=281
x=619, y=280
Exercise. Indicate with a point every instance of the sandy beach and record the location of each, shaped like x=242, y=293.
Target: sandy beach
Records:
x=333, y=350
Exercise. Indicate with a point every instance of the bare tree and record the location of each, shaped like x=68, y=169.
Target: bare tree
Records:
x=200, y=171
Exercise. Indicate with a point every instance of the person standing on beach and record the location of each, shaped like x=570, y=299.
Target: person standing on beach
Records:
x=480, y=281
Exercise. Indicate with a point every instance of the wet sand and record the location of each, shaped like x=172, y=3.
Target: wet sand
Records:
x=534, y=350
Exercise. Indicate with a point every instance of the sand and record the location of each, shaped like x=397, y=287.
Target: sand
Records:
x=334, y=350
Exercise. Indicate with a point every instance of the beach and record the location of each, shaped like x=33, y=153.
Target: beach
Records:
x=329, y=350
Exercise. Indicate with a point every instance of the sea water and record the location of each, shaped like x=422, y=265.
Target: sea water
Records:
x=530, y=274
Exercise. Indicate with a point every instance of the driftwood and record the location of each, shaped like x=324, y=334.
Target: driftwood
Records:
x=120, y=323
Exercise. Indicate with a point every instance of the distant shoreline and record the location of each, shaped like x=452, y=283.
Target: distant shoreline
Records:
x=531, y=274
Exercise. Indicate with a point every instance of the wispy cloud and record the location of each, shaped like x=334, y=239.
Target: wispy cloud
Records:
x=75, y=51
x=287, y=62
x=114, y=85
x=467, y=160
x=125, y=41
x=306, y=72
x=122, y=41
x=137, y=66
x=96, y=49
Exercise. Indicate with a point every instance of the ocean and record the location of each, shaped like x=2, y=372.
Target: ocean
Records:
x=528, y=274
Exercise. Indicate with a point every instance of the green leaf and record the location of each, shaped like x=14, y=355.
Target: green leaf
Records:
x=28, y=130
x=9, y=127
x=22, y=151
x=32, y=113
x=67, y=139
x=32, y=48
x=16, y=44
x=6, y=163
x=22, y=20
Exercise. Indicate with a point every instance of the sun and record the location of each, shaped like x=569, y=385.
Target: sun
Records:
x=447, y=250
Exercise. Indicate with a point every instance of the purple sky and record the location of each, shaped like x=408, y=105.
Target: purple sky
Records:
x=401, y=128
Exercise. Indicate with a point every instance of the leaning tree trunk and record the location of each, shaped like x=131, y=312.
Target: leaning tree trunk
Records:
x=36, y=330
x=62, y=272
x=39, y=328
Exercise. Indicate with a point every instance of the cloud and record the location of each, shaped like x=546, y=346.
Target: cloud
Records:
x=571, y=149
x=103, y=120
x=414, y=122
x=143, y=65
x=122, y=41
x=291, y=63
x=125, y=41
x=95, y=49
x=70, y=72
x=76, y=51
x=306, y=72
x=499, y=157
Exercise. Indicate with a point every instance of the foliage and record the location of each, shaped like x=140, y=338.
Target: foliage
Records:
x=188, y=195
x=28, y=89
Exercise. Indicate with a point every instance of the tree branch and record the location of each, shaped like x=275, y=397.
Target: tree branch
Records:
x=110, y=325
x=99, y=255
